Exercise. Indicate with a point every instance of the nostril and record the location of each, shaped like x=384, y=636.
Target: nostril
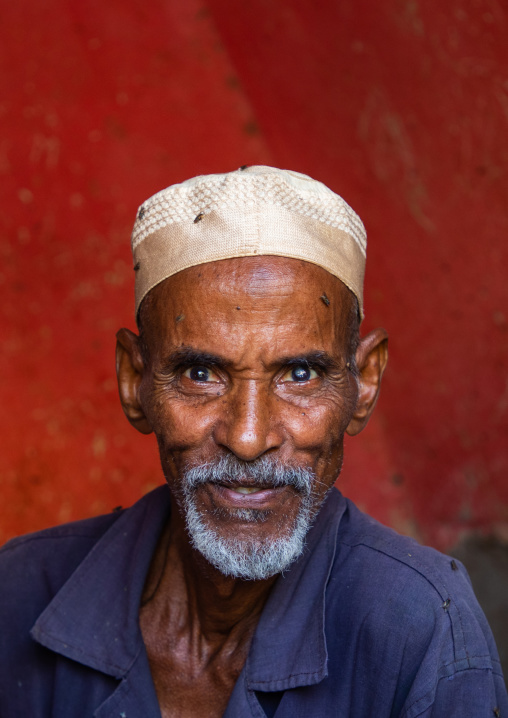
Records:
x=247, y=438
x=247, y=444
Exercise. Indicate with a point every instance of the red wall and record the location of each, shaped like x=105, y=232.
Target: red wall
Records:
x=401, y=107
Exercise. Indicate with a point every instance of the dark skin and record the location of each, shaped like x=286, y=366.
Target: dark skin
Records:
x=242, y=357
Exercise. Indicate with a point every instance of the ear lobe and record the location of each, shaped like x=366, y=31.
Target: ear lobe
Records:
x=371, y=359
x=129, y=372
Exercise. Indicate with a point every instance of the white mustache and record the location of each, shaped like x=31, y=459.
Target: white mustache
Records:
x=260, y=472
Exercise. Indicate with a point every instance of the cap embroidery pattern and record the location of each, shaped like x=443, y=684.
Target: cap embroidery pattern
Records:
x=245, y=190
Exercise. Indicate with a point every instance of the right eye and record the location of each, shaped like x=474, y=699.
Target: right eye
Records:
x=201, y=374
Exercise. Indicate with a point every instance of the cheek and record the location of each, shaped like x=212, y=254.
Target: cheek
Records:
x=317, y=433
x=315, y=425
x=180, y=425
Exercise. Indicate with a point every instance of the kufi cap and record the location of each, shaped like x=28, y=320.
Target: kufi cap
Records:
x=253, y=211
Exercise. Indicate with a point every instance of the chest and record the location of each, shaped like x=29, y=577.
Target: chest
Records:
x=192, y=676
x=185, y=689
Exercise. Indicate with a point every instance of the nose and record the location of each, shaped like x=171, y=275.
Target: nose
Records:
x=248, y=427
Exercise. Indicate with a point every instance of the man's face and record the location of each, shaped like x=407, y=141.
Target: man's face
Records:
x=247, y=360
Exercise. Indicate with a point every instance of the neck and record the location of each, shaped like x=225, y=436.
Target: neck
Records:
x=190, y=592
x=197, y=626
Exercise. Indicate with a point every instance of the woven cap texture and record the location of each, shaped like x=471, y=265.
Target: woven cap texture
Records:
x=253, y=211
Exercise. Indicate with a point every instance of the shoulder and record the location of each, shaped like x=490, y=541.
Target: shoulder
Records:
x=76, y=532
x=409, y=607
x=386, y=556
x=422, y=586
x=33, y=567
x=389, y=555
x=391, y=587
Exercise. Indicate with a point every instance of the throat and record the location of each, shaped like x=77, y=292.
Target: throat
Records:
x=197, y=630
x=184, y=592
x=197, y=625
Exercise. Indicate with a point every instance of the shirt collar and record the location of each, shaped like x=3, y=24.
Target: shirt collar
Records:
x=289, y=646
x=93, y=619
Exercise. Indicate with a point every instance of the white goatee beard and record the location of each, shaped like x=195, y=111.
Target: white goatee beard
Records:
x=243, y=558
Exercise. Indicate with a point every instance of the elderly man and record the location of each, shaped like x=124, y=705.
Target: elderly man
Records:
x=247, y=586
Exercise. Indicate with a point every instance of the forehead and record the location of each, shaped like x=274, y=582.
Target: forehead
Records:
x=249, y=299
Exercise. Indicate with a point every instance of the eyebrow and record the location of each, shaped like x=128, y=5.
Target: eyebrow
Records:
x=317, y=359
x=187, y=356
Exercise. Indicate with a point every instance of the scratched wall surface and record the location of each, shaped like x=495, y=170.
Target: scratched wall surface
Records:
x=400, y=106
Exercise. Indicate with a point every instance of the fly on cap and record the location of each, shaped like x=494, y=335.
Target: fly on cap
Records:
x=252, y=211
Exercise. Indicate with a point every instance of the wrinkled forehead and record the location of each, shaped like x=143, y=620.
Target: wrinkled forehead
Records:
x=251, y=292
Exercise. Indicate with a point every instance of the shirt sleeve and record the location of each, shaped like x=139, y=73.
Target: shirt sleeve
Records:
x=460, y=675
x=471, y=693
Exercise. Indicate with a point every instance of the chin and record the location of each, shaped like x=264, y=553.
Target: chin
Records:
x=248, y=555
x=248, y=519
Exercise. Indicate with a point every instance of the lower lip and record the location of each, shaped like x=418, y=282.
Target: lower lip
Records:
x=257, y=499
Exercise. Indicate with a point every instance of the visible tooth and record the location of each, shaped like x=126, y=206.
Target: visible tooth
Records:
x=245, y=490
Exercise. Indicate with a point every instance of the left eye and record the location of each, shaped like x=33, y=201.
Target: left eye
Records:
x=201, y=373
x=300, y=373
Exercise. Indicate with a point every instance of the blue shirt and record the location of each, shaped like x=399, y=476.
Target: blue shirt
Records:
x=366, y=624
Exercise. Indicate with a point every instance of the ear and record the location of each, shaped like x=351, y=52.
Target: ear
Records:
x=129, y=371
x=371, y=358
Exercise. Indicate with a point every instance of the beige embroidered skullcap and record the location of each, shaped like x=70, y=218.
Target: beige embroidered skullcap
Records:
x=252, y=211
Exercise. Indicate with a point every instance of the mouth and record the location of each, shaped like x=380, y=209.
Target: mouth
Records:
x=245, y=495
x=245, y=489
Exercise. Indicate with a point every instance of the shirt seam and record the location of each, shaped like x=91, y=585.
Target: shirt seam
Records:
x=281, y=680
x=18, y=541
x=432, y=691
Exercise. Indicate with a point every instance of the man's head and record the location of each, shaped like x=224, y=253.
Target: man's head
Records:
x=249, y=371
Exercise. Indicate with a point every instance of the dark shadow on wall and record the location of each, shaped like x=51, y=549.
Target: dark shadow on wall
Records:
x=486, y=559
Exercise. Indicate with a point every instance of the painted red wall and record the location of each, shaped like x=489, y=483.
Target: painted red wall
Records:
x=400, y=106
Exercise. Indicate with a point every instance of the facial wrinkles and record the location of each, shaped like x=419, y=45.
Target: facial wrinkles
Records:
x=267, y=303
x=250, y=339
x=280, y=313
x=253, y=350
